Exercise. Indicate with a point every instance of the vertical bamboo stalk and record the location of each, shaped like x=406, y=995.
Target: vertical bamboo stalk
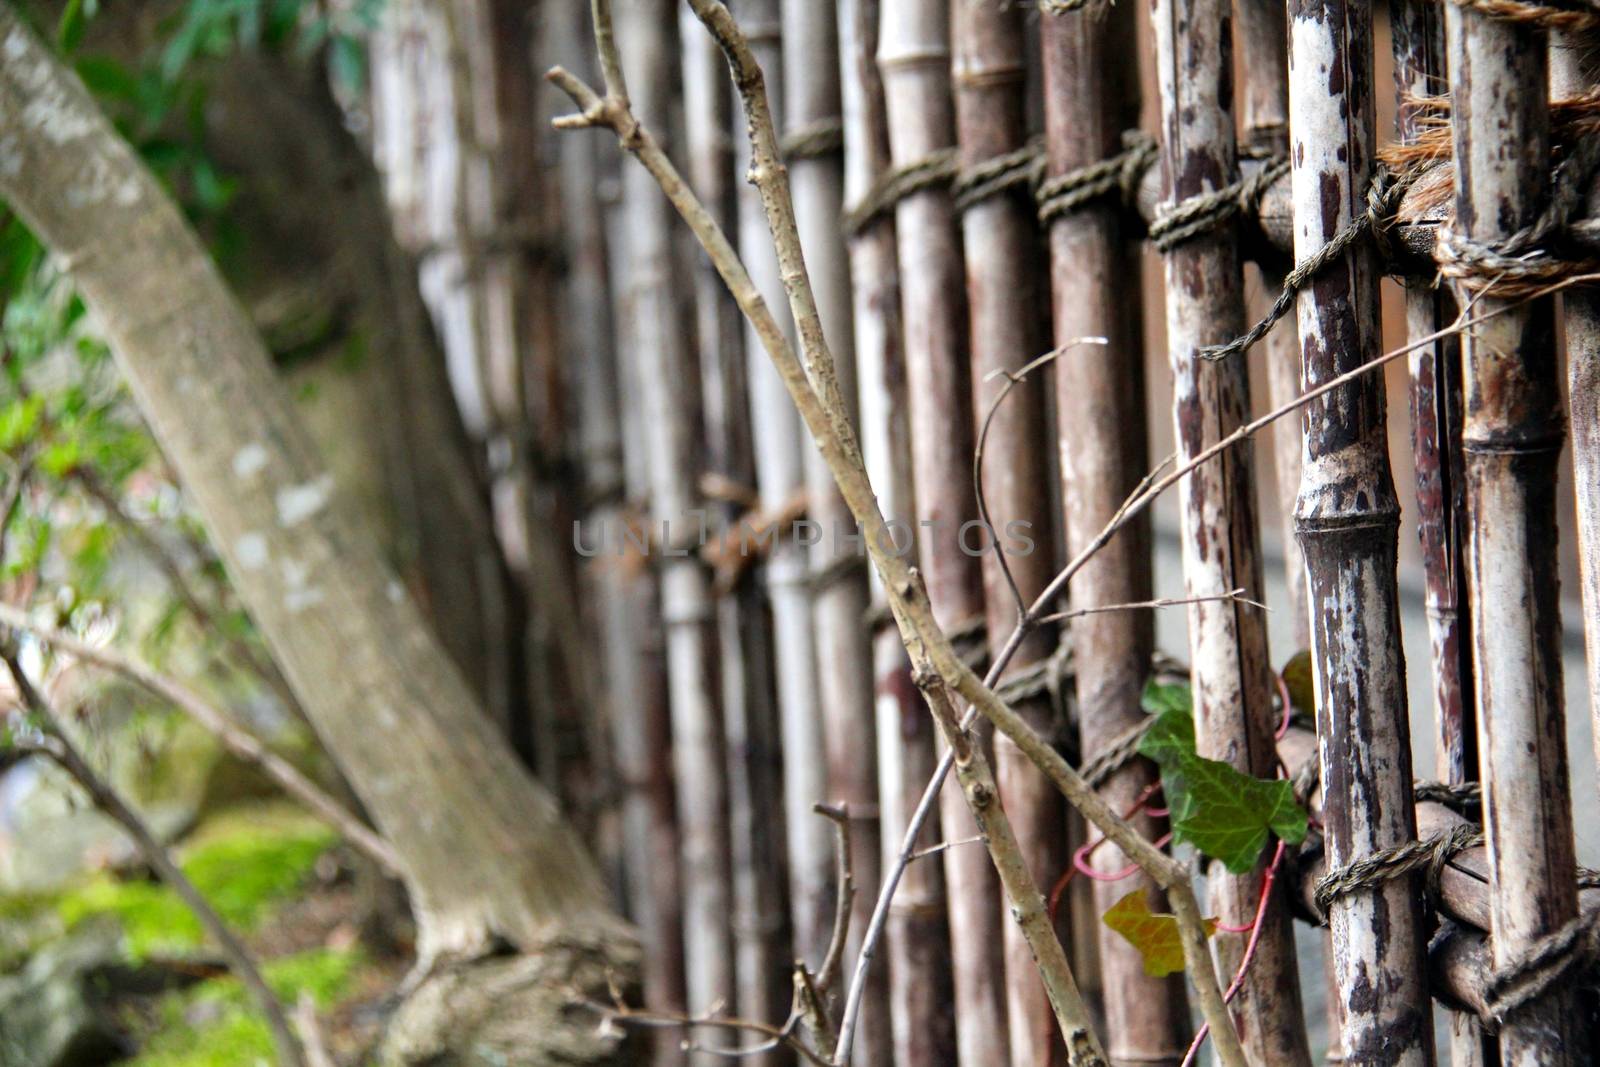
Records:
x=914, y=59
x=760, y=922
x=1436, y=415
x=1348, y=519
x=917, y=936
x=1228, y=642
x=644, y=34
x=838, y=567
x=1512, y=438
x=1581, y=321
x=635, y=713
x=1006, y=330
x=780, y=472
x=1099, y=394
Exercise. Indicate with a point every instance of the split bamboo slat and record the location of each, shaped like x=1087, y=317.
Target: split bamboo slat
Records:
x=914, y=60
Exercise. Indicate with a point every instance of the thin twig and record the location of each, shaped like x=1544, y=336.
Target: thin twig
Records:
x=1235, y=595
x=234, y=737
x=54, y=744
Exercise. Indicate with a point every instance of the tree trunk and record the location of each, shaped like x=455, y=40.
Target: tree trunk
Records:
x=1348, y=520
x=1100, y=406
x=1512, y=439
x=488, y=856
x=1227, y=640
x=917, y=935
x=1006, y=330
x=914, y=60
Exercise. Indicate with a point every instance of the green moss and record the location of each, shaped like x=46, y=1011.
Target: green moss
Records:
x=243, y=863
x=233, y=1033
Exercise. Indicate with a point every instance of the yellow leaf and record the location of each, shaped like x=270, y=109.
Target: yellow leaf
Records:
x=1154, y=934
x=1297, y=679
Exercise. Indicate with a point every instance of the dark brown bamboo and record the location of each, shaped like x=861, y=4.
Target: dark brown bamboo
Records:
x=1512, y=438
x=914, y=59
x=918, y=937
x=1436, y=415
x=1232, y=678
x=1007, y=324
x=669, y=418
x=1347, y=519
x=760, y=926
x=1099, y=394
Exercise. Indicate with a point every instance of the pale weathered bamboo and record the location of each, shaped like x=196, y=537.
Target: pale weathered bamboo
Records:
x=1232, y=678
x=1099, y=394
x=760, y=911
x=654, y=339
x=914, y=59
x=918, y=939
x=780, y=472
x=838, y=562
x=1007, y=311
x=1347, y=519
x=1572, y=74
x=1512, y=437
x=1435, y=403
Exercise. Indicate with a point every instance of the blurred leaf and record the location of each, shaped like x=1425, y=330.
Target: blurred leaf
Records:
x=1154, y=934
x=1299, y=679
x=19, y=422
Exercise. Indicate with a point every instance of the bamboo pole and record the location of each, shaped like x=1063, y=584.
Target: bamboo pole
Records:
x=1570, y=77
x=780, y=472
x=1512, y=438
x=1435, y=403
x=1348, y=518
x=838, y=566
x=1228, y=642
x=914, y=60
x=1099, y=396
x=655, y=342
x=918, y=939
x=760, y=920
x=1006, y=328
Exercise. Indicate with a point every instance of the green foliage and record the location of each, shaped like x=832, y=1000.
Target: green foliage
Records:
x=1227, y=815
x=243, y=866
x=1156, y=935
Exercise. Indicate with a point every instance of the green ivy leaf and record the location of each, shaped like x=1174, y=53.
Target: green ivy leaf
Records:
x=1159, y=698
x=1154, y=934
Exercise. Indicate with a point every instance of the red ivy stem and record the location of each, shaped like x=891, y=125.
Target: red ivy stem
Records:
x=1249, y=950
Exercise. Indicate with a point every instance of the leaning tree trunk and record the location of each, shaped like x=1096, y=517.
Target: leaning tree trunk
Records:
x=914, y=59
x=1348, y=521
x=838, y=565
x=670, y=420
x=1006, y=331
x=1512, y=439
x=1228, y=640
x=623, y=597
x=488, y=857
x=780, y=474
x=1435, y=401
x=917, y=935
x=749, y=711
x=1089, y=100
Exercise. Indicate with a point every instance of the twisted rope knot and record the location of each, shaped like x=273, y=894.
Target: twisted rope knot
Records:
x=1204, y=212
x=1372, y=870
x=1009, y=170
x=824, y=137
x=1122, y=173
x=1571, y=950
x=895, y=184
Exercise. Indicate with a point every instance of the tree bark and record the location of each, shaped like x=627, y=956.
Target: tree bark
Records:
x=1006, y=330
x=488, y=857
x=1232, y=678
x=918, y=965
x=1099, y=394
x=914, y=60
x=1348, y=520
x=1512, y=438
